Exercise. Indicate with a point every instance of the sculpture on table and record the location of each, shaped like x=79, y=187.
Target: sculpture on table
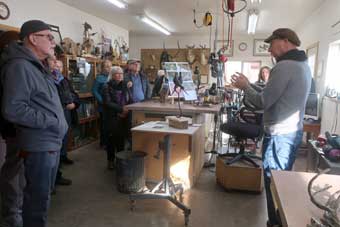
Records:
x=331, y=208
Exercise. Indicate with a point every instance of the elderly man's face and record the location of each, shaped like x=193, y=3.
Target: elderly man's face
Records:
x=135, y=67
x=278, y=47
x=44, y=43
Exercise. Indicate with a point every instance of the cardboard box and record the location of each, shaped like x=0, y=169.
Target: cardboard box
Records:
x=239, y=175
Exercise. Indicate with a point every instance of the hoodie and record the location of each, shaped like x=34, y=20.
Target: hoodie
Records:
x=285, y=95
x=30, y=100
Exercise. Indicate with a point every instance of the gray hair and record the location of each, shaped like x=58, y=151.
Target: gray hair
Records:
x=114, y=70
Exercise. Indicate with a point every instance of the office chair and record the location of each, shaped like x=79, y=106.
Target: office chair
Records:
x=246, y=125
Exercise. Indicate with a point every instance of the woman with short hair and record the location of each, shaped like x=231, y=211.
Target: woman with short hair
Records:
x=116, y=96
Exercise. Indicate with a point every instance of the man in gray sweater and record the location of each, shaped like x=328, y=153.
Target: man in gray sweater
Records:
x=31, y=102
x=283, y=101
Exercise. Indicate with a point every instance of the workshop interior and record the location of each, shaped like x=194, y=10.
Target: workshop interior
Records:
x=170, y=113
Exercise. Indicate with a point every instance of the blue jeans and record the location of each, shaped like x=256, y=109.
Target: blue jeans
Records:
x=40, y=173
x=278, y=153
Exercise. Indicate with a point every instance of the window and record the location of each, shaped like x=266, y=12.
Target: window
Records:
x=333, y=67
x=248, y=68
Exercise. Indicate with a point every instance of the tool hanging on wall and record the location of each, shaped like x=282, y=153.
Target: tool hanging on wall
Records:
x=207, y=19
x=229, y=8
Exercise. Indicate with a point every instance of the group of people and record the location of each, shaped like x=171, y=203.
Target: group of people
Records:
x=113, y=90
x=38, y=106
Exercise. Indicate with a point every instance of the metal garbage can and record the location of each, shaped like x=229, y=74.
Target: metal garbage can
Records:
x=130, y=171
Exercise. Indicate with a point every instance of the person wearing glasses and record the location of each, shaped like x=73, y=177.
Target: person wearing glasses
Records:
x=30, y=100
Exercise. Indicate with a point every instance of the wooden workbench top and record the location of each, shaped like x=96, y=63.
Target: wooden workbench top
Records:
x=290, y=192
x=156, y=106
x=163, y=127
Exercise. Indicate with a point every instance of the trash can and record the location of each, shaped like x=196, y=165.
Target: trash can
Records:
x=130, y=172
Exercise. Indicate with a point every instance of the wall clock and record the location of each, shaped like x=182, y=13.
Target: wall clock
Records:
x=242, y=46
x=4, y=11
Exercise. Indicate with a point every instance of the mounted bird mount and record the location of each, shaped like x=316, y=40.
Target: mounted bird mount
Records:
x=88, y=43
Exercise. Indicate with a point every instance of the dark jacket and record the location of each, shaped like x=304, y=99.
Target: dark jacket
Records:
x=145, y=83
x=31, y=101
x=110, y=103
x=67, y=96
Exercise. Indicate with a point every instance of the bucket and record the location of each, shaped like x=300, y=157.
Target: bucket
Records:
x=130, y=172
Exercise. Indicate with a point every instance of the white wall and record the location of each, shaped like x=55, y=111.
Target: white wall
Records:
x=68, y=19
x=318, y=28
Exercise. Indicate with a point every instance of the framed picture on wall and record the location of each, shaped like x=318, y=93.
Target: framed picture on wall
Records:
x=228, y=47
x=261, y=48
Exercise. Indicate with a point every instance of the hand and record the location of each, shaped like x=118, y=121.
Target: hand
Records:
x=129, y=84
x=239, y=81
x=125, y=110
x=70, y=106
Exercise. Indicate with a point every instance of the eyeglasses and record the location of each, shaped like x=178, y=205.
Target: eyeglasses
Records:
x=49, y=36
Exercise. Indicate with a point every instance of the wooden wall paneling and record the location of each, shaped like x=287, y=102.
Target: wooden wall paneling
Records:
x=150, y=59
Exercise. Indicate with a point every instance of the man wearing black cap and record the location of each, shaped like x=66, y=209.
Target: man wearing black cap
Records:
x=283, y=101
x=30, y=100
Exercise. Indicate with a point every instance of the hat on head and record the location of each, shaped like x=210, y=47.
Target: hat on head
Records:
x=284, y=33
x=32, y=26
x=133, y=61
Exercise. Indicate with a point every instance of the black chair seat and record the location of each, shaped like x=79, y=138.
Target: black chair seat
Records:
x=242, y=130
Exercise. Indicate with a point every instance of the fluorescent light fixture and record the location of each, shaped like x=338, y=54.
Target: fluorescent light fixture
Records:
x=118, y=3
x=253, y=16
x=155, y=25
x=253, y=1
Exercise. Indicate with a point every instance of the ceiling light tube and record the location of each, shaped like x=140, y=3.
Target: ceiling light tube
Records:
x=118, y=3
x=252, y=21
x=155, y=25
x=252, y=1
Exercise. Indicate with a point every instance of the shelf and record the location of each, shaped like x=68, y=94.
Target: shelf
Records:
x=85, y=95
x=88, y=119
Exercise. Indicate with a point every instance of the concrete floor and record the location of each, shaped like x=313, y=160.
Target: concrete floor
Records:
x=93, y=200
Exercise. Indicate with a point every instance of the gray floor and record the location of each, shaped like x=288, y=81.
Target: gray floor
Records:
x=93, y=200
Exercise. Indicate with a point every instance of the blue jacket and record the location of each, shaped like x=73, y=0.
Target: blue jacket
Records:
x=145, y=84
x=97, y=89
x=30, y=100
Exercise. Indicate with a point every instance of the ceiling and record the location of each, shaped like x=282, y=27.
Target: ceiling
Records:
x=177, y=15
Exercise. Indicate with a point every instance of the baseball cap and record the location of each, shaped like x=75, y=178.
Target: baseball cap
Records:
x=284, y=33
x=32, y=26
